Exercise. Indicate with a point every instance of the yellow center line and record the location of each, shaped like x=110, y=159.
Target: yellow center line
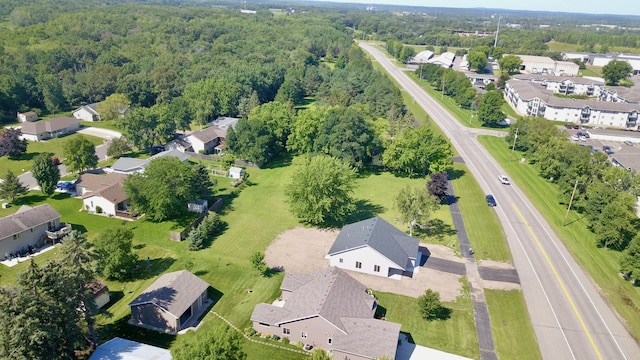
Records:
x=566, y=293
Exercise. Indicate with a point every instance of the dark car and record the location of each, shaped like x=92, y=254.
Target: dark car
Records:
x=607, y=149
x=491, y=201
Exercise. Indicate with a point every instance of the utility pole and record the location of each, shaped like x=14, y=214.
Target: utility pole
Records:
x=564, y=223
x=514, y=144
x=443, y=83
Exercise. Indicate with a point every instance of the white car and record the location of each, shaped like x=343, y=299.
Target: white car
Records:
x=574, y=137
x=582, y=138
x=504, y=180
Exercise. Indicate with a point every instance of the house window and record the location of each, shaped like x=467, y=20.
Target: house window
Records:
x=329, y=341
x=376, y=268
x=341, y=260
x=358, y=265
x=286, y=331
x=303, y=334
x=16, y=236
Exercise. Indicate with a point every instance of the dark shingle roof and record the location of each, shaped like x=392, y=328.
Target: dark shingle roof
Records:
x=380, y=236
x=209, y=134
x=173, y=292
x=368, y=338
x=52, y=125
x=26, y=218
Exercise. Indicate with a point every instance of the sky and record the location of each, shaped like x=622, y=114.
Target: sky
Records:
x=619, y=7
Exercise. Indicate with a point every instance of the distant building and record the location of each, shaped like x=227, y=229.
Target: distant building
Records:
x=422, y=57
x=87, y=113
x=28, y=116
x=445, y=59
x=546, y=65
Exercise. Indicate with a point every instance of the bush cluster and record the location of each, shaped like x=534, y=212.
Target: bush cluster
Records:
x=209, y=226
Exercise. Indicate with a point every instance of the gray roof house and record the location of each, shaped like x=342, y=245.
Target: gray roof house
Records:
x=331, y=310
x=375, y=247
x=171, y=303
x=123, y=349
x=87, y=113
x=27, y=227
x=126, y=165
x=42, y=130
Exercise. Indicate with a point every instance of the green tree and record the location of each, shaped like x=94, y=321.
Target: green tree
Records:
x=223, y=343
x=418, y=150
x=489, y=111
x=630, y=260
x=321, y=190
x=415, y=206
x=615, y=226
x=199, y=236
x=510, y=63
x=277, y=117
x=319, y=354
x=140, y=126
x=79, y=154
x=118, y=147
x=615, y=71
x=114, y=249
x=113, y=107
x=164, y=189
x=257, y=262
x=477, y=60
x=12, y=187
x=51, y=89
x=429, y=304
x=46, y=173
x=305, y=129
x=10, y=142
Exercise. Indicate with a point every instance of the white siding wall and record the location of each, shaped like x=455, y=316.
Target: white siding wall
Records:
x=83, y=114
x=196, y=144
x=92, y=202
x=32, y=137
x=367, y=257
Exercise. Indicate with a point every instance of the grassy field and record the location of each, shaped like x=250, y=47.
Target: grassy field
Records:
x=483, y=228
x=23, y=162
x=601, y=264
x=560, y=47
x=455, y=335
x=512, y=331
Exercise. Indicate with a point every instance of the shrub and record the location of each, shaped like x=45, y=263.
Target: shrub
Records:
x=250, y=331
x=209, y=226
x=98, y=210
x=300, y=344
x=257, y=262
x=267, y=336
x=274, y=337
x=285, y=340
x=429, y=304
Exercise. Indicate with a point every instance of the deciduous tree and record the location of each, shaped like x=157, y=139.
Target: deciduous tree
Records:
x=79, y=154
x=419, y=151
x=12, y=187
x=321, y=190
x=429, y=304
x=113, y=107
x=630, y=261
x=489, y=111
x=477, y=60
x=118, y=147
x=10, y=142
x=223, y=343
x=415, y=206
x=46, y=173
x=616, y=70
x=438, y=185
x=510, y=63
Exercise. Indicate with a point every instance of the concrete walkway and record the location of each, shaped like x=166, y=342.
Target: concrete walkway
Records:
x=480, y=310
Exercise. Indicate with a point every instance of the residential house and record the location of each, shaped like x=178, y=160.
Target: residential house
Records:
x=375, y=247
x=123, y=349
x=171, y=303
x=42, y=130
x=126, y=165
x=87, y=113
x=101, y=295
x=330, y=310
x=103, y=193
x=28, y=116
x=209, y=140
x=27, y=228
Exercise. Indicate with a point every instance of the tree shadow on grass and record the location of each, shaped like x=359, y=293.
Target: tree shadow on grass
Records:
x=381, y=312
x=121, y=328
x=443, y=313
x=146, y=269
x=78, y=227
x=28, y=156
x=438, y=229
x=365, y=209
x=455, y=174
x=227, y=201
x=280, y=161
x=30, y=199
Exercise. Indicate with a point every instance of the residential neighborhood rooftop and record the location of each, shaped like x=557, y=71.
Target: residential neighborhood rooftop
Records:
x=52, y=125
x=26, y=218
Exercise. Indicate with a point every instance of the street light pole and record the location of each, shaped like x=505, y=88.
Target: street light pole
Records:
x=514, y=144
x=495, y=42
x=564, y=223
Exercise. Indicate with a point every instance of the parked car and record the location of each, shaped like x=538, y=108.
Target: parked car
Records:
x=576, y=127
x=568, y=126
x=491, y=201
x=504, y=180
x=628, y=143
x=574, y=137
x=607, y=150
x=582, y=138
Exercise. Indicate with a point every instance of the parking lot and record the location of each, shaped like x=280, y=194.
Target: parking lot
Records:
x=627, y=154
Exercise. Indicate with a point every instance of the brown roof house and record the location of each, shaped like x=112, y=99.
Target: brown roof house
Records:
x=103, y=193
x=331, y=310
x=171, y=303
x=26, y=228
x=42, y=130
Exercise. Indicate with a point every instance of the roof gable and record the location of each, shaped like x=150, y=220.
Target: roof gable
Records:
x=380, y=236
x=209, y=134
x=173, y=292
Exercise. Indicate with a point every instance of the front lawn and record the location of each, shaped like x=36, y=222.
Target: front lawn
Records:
x=602, y=264
x=23, y=162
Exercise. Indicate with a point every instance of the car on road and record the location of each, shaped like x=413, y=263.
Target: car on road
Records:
x=576, y=127
x=628, y=143
x=607, y=149
x=504, y=180
x=575, y=137
x=491, y=201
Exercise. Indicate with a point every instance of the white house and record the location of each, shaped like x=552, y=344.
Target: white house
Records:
x=445, y=59
x=236, y=172
x=375, y=247
x=28, y=116
x=205, y=141
x=87, y=113
x=422, y=57
x=103, y=193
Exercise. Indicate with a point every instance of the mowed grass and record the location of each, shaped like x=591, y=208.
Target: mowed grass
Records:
x=455, y=335
x=481, y=222
x=511, y=325
x=602, y=264
x=24, y=162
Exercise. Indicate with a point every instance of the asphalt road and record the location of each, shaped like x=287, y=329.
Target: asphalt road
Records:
x=569, y=316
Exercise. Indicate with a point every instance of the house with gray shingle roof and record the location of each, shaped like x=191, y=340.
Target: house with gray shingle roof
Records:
x=127, y=165
x=103, y=193
x=375, y=247
x=27, y=227
x=42, y=130
x=331, y=310
x=171, y=303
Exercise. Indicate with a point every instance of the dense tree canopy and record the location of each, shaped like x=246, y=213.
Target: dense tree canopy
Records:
x=510, y=63
x=418, y=151
x=79, y=154
x=46, y=173
x=615, y=71
x=10, y=142
x=223, y=343
x=114, y=247
x=489, y=108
